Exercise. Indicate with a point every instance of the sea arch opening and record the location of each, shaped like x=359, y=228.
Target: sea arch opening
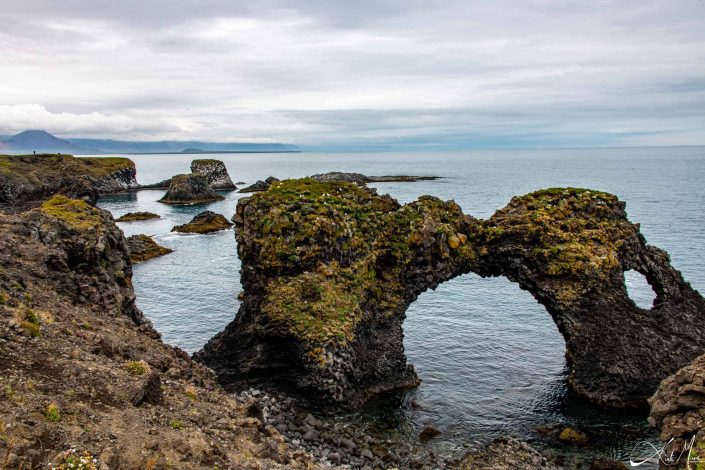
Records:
x=485, y=351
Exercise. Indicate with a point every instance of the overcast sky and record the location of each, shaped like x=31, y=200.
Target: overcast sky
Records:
x=399, y=73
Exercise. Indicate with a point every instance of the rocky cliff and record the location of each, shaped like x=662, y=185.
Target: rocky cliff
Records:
x=215, y=172
x=26, y=180
x=329, y=269
x=84, y=375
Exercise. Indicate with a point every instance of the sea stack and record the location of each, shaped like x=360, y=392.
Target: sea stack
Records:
x=190, y=189
x=215, y=172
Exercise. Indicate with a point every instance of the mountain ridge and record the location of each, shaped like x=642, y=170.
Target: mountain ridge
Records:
x=41, y=141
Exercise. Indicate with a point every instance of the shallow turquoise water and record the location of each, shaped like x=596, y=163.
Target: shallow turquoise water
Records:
x=490, y=358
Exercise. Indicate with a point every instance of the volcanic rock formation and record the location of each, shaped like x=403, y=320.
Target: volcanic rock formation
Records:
x=190, y=189
x=215, y=172
x=329, y=270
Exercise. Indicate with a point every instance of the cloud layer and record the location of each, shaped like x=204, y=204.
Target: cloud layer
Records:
x=394, y=73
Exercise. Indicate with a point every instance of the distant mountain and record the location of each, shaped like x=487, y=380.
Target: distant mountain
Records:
x=39, y=141
x=179, y=146
x=43, y=142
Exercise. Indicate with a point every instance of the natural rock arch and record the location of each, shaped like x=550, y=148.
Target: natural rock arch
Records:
x=329, y=270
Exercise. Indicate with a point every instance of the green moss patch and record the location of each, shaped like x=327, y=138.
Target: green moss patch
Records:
x=576, y=233
x=78, y=214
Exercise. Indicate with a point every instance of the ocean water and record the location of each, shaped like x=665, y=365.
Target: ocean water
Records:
x=489, y=356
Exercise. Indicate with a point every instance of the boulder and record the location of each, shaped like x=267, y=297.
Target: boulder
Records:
x=329, y=270
x=190, y=189
x=215, y=172
x=143, y=248
x=137, y=216
x=205, y=222
x=678, y=406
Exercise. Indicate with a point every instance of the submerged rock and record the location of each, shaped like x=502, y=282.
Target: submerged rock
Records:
x=573, y=437
x=215, y=172
x=143, y=248
x=190, y=189
x=329, y=270
x=205, y=222
x=428, y=433
x=137, y=216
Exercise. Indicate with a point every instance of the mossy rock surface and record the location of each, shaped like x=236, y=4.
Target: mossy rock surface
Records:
x=137, y=216
x=76, y=213
x=205, y=222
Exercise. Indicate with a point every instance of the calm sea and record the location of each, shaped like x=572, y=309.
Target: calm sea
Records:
x=490, y=358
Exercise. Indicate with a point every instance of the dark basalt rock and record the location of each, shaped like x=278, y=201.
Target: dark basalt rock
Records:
x=259, y=186
x=190, y=189
x=205, y=222
x=329, y=269
x=215, y=172
x=143, y=248
x=164, y=184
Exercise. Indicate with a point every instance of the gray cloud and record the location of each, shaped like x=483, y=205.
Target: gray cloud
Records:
x=369, y=73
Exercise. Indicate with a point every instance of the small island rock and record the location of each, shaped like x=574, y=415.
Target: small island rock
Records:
x=259, y=185
x=215, y=172
x=137, y=216
x=143, y=248
x=190, y=189
x=359, y=178
x=205, y=222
